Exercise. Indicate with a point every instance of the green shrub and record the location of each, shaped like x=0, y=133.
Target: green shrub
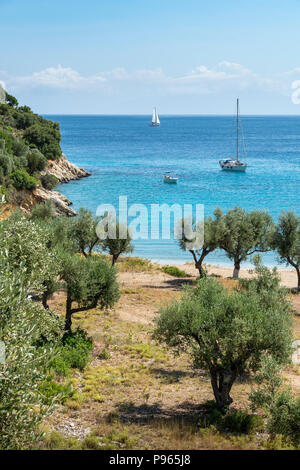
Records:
x=74, y=352
x=90, y=443
x=57, y=441
x=20, y=179
x=61, y=366
x=11, y=100
x=55, y=391
x=43, y=211
x=104, y=354
x=136, y=264
x=46, y=137
x=284, y=418
x=49, y=181
x=19, y=147
x=236, y=422
x=277, y=401
x=8, y=139
x=213, y=418
x=35, y=162
x=4, y=192
x=25, y=119
x=174, y=271
x=241, y=423
x=6, y=164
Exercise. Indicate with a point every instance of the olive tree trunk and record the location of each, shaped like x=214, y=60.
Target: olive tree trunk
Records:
x=236, y=269
x=222, y=382
x=70, y=311
x=68, y=318
x=298, y=276
x=114, y=258
x=45, y=300
x=199, y=262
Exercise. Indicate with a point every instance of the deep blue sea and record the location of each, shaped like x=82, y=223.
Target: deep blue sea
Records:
x=127, y=157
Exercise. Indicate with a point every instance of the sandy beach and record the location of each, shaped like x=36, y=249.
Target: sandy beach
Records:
x=288, y=276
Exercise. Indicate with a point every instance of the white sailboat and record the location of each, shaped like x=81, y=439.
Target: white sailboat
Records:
x=232, y=164
x=155, y=119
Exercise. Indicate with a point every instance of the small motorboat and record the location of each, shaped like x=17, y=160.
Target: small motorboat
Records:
x=171, y=179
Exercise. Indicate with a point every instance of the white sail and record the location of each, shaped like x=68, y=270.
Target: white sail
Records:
x=154, y=116
x=155, y=119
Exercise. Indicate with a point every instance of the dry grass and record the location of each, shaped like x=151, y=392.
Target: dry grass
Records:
x=138, y=395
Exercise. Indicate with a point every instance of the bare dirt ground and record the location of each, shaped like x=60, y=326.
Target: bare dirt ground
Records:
x=141, y=396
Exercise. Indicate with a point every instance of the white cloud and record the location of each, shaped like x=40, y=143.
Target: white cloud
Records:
x=57, y=77
x=201, y=80
x=225, y=74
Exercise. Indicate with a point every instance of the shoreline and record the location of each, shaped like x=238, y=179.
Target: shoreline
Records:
x=65, y=171
x=288, y=275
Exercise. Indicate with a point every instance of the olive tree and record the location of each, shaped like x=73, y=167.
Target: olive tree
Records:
x=211, y=230
x=245, y=234
x=89, y=282
x=226, y=333
x=26, y=245
x=28, y=332
x=83, y=232
x=120, y=244
x=58, y=242
x=286, y=240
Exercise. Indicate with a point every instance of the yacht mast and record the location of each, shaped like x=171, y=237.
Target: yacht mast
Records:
x=237, y=129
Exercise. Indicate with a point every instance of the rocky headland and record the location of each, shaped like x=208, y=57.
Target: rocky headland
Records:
x=64, y=171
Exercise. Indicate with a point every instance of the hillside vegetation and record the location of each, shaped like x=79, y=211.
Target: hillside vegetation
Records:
x=27, y=141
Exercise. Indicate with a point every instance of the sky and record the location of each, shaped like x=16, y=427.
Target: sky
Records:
x=126, y=56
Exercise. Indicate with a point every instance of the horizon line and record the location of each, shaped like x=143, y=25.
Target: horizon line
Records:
x=165, y=115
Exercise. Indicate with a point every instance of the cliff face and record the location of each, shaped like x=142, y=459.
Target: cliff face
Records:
x=26, y=200
x=60, y=202
x=64, y=171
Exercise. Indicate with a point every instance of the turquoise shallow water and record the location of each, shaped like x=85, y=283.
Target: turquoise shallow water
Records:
x=127, y=157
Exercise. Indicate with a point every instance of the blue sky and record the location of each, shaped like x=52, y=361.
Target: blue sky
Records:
x=125, y=56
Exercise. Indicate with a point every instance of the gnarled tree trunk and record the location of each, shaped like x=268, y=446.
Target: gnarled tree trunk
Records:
x=222, y=382
x=199, y=262
x=298, y=276
x=114, y=258
x=236, y=270
x=68, y=318
x=45, y=300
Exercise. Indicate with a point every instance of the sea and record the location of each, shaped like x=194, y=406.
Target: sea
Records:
x=129, y=158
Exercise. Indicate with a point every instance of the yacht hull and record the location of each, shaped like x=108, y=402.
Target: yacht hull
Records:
x=241, y=169
x=233, y=165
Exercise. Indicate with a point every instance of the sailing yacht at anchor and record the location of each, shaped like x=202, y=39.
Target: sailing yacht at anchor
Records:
x=155, y=119
x=232, y=164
